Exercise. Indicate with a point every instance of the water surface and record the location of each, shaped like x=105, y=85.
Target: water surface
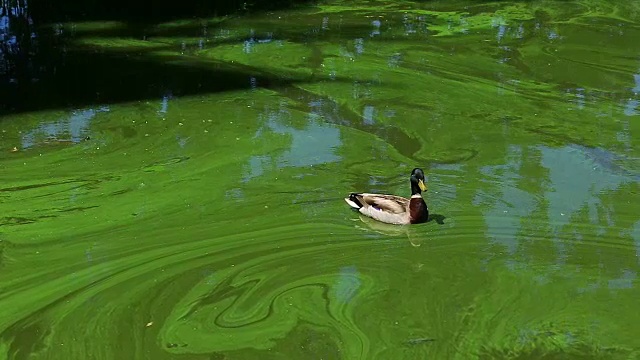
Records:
x=200, y=216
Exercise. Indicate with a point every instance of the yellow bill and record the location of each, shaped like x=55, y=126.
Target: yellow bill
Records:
x=422, y=185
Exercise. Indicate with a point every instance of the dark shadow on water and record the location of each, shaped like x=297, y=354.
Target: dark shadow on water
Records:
x=149, y=11
x=90, y=78
x=41, y=69
x=437, y=218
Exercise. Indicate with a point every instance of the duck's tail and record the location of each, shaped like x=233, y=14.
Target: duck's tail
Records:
x=353, y=201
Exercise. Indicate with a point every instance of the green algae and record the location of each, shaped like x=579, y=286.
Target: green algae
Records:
x=117, y=44
x=213, y=225
x=93, y=26
x=282, y=58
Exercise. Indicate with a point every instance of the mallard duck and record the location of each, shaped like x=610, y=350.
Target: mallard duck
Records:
x=393, y=209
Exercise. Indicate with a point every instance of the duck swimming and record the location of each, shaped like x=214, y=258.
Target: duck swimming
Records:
x=392, y=209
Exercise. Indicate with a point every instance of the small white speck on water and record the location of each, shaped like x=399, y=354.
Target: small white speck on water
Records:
x=150, y=323
x=237, y=138
x=180, y=124
x=561, y=214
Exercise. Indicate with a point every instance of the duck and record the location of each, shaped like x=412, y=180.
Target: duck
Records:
x=392, y=209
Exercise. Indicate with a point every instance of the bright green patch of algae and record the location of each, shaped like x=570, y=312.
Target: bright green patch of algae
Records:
x=214, y=227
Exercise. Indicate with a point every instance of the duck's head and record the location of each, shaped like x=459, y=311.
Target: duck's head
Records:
x=417, y=181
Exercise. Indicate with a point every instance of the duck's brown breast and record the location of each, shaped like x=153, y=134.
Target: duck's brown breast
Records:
x=418, y=211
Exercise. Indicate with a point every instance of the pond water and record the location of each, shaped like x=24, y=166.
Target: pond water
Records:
x=201, y=216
